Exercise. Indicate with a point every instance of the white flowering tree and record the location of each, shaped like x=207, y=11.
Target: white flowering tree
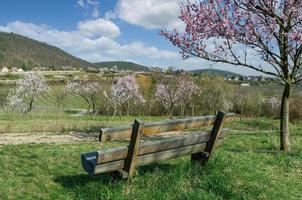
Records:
x=273, y=104
x=87, y=90
x=188, y=89
x=113, y=100
x=28, y=89
x=124, y=91
x=175, y=90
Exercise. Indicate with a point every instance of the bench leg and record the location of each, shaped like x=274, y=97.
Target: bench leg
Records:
x=203, y=157
x=200, y=158
x=120, y=174
x=130, y=163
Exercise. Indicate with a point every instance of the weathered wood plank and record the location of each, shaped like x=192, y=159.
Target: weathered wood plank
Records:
x=88, y=161
x=119, y=133
x=151, y=158
x=130, y=162
x=204, y=156
x=120, y=153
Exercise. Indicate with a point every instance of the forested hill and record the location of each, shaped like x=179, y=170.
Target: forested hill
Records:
x=122, y=65
x=215, y=72
x=17, y=51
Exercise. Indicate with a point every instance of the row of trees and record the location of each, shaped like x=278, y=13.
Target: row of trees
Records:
x=172, y=91
x=173, y=94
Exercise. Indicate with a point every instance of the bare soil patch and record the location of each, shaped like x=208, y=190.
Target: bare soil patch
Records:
x=37, y=138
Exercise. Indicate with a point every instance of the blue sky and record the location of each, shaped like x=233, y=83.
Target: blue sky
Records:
x=104, y=30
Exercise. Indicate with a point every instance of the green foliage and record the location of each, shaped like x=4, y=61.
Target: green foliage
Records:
x=295, y=108
x=216, y=94
x=248, y=103
x=214, y=72
x=122, y=65
x=25, y=67
x=21, y=51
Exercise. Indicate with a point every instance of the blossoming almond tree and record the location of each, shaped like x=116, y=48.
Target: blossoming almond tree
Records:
x=188, y=89
x=126, y=89
x=28, y=89
x=86, y=89
x=231, y=31
x=175, y=90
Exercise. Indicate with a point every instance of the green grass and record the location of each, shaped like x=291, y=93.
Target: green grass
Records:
x=39, y=121
x=247, y=166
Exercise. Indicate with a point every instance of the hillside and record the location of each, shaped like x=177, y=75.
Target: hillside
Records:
x=122, y=65
x=215, y=72
x=17, y=51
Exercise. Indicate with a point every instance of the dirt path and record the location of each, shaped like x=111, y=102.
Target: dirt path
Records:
x=37, y=138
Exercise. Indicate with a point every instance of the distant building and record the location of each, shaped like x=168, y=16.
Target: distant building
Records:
x=245, y=84
x=92, y=69
x=67, y=68
x=5, y=70
x=114, y=68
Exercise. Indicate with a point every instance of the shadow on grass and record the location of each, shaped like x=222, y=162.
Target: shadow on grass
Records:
x=212, y=181
x=90, y=129
x=82, y=179
x=154, y=168
x=74, y=181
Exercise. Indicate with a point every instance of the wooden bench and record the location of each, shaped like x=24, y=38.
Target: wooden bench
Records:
x=122, y=161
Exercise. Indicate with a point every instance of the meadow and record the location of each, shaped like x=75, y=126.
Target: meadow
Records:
x=247, y=166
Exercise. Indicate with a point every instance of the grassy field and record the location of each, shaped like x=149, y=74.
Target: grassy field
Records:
x=37, y=122
x=247, y=166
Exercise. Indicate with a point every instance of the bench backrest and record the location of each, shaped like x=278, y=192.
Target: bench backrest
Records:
x=153, y=128
x=198, y=144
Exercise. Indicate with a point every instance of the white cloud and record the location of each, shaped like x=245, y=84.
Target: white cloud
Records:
x=99, y=26
x=91, y=41
x=110, y=15
x=95, y=13
x=151, y=14
x=90, y=5
x=81, y=3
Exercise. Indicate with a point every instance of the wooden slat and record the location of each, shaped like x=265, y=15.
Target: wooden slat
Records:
x=204, y=156
x=120, y=153
x=89, y=161
x=130, y=162
x=120, y=133
x=151, y=158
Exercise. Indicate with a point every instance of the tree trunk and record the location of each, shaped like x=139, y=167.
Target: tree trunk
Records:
x=31, y=103
x=93, y=106
x=114, y=112
x=171, y=112
x=128, y=105
x=193, y=110
x=88, y=109
x=284, y=119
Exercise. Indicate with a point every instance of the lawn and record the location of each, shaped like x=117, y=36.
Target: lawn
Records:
x=247, y=166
